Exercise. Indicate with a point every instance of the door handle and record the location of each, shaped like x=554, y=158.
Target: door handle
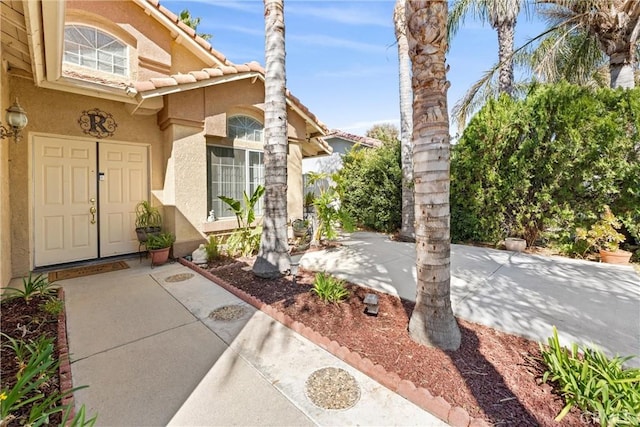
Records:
x=92, y=211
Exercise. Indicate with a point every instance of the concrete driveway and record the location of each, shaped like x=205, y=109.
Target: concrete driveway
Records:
x=590, y=303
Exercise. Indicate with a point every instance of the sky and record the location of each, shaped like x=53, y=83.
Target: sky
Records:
x=342, y=60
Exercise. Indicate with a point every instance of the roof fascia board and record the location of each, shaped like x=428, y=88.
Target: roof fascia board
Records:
x=53, y=28
x=33, y=18
x=82, y=87
x=200, y=84
x=179, y=38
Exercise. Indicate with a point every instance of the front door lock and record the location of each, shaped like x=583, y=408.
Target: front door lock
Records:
x=93, y=210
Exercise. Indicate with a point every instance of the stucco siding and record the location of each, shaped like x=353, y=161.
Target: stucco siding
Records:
x=57, y=113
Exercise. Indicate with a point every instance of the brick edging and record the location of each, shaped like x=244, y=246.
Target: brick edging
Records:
x=456, y=416
x=64, y=370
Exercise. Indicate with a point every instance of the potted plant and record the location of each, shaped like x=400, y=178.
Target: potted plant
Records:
x=300, y=227
x=159, y=246
x=604, y=237
x=148, y=220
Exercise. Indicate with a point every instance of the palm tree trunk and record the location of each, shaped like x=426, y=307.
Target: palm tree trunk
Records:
x=407, y=230
x=432, y=322
x=273, y=257
x=506, y=33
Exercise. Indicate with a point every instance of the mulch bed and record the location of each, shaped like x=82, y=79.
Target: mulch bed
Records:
x=493, y=375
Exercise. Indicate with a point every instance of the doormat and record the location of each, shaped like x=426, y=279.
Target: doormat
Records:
x=87, y=270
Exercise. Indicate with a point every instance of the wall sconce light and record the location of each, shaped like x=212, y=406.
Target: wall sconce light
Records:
x=294, y=270
x=16, y=119
x=371, y=301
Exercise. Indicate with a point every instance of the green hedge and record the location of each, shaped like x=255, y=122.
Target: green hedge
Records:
x=370, y=184
x=541, y=166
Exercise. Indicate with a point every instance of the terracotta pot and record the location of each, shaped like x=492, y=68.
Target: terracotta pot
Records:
x=159, y=256
x=515, y=244
x=617, y=257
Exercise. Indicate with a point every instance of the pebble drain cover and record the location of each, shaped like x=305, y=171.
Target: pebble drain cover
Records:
x=228, y=312
x=179, y=277
x=332, y=388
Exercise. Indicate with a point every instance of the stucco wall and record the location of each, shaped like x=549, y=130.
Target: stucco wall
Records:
x=5, y=213
x=155, y=53
x=57, y=113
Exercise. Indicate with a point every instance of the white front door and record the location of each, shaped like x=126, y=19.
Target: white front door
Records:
x=85, y=197
x=66, y=227
x=123, y=182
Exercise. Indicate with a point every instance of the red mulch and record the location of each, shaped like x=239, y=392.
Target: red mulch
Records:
x=493, y=375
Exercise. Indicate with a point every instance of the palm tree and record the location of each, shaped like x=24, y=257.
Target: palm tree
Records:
x=502, y=15
x=191, y=22
x=581, y=37
x=407, y=229
x=273, y=257
x=432, y=321
x=580, y=28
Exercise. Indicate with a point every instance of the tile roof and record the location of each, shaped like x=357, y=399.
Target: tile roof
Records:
x=228, y=68
x=363, y=140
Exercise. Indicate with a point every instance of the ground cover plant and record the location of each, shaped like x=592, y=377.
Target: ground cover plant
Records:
x=593, y=382
x=494, y=376
x=30, y=391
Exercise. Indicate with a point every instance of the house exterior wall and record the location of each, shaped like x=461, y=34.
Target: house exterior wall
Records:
x=199, y=117
x=56, y=113
x=5, y=210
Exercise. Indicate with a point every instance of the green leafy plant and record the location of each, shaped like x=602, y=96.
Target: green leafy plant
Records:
x=329, y=288
x=245, y=240
x=160, y=241
x=147, y=216
x=544, y=165
x=213, y=248
x=593, y=382
x=329, y=209
x=603, y=234
x=370, y=183
x=31, y=286
x=53, y=306
x=37, y=366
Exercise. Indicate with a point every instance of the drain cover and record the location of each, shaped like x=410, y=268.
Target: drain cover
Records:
x=228, y=312
x=179, y=277
x=332, y=388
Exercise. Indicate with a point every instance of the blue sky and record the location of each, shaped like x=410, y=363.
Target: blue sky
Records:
x=342, y=59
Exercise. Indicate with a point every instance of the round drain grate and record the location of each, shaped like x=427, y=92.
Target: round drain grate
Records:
x=332, y=388
x=228, y=312
x=179, y=277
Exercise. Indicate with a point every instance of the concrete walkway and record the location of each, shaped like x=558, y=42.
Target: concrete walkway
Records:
x=143, y=340
x=590, y=303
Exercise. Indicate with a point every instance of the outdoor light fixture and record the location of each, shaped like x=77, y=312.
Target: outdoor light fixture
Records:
x=16, y=119
x=294, y=270
x=371, y=301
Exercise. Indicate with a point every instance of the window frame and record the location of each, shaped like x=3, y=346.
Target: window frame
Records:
x=248, y=184
x=124, y=56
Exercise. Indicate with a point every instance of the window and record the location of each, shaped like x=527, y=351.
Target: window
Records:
x=230, y=172
x=245, y=128
x=91, y=48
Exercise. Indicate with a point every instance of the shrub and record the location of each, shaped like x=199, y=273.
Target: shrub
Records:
x=213, y=248
x=593, y=382
x=542, y=166
x=31, y=286
x=370, y=182
x=328, y=288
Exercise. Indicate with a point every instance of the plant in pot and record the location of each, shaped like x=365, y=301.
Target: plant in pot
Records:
x=159, y=246
x=300, y=227
x=604, y=237
x=148, y=220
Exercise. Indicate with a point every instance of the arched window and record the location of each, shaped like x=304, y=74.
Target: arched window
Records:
x=245, y=128
x=91, y=48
